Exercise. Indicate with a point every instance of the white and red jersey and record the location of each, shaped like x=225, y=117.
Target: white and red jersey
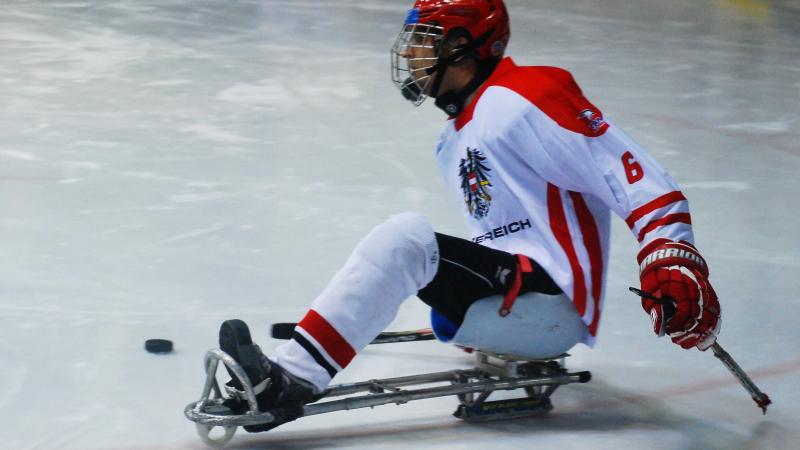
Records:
x=538, y=169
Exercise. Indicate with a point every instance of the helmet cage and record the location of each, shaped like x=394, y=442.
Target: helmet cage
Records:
x=410, y=73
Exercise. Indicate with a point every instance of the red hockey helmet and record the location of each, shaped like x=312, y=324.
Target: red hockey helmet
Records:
x=416, y=52
x=477, y=17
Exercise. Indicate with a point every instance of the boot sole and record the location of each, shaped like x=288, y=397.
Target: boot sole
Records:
x=235, y=340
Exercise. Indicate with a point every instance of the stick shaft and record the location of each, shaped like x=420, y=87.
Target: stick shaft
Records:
x=285, y=331
x=759, y=397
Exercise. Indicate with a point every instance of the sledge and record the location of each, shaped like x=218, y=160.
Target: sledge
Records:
x=534, y=379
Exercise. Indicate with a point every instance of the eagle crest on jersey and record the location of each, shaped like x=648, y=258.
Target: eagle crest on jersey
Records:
x=475, y=183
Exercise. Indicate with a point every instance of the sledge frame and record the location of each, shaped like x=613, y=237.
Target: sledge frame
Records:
x=492, y=372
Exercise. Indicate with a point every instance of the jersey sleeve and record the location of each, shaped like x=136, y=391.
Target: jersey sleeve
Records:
x=574, y=148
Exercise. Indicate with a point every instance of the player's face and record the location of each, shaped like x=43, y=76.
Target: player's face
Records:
x=414, y=54
x=421, y=54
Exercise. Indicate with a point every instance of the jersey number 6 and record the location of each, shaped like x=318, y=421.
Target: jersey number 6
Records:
x=633, y=170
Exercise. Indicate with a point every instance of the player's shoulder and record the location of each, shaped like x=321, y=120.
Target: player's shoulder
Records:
x=533, y=82
x=551, y=90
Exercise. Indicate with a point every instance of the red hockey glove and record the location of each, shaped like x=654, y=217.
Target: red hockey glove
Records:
x=678, y=271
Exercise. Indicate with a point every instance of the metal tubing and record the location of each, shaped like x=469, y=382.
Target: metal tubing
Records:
x=195, y=411
x=411, y=380
x=217, y=420
x=211, y=379
x=233, y=366
x=443, y=391
x=209, y=412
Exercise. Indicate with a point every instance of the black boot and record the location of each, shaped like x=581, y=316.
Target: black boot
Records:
x=277, y=391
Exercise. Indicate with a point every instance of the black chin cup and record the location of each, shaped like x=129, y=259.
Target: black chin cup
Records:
x=411, y=90
x=453, y=102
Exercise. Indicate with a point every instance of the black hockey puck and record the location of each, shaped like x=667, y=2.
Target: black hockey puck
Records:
x=158, y=345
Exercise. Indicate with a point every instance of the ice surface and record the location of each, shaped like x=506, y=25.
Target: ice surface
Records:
x=166, y=165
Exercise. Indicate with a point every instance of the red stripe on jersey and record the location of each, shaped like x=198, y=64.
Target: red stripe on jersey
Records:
x=653, y=205
x=591, y=239
x=558, y=224
x=331, y=341
x=666, y=220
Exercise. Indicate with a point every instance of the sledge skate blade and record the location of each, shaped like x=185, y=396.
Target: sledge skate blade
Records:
x=504, y=409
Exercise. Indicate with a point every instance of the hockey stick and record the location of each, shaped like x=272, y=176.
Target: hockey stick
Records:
x=286, y=329
x=761, y=399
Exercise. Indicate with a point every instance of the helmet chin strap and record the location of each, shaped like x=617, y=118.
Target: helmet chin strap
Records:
x=452, y=102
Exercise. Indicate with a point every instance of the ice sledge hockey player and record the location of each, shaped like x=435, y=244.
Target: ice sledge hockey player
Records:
x=538, y=171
